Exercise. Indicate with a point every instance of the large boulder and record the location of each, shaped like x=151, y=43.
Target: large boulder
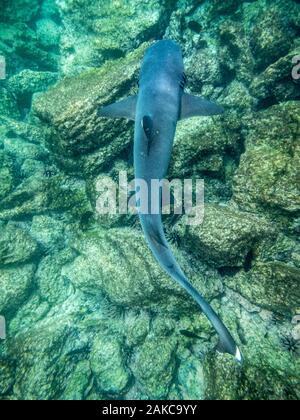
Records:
x=15, y=286
x=139, y=282
x=268, y=175
x=226, y=237
x=16, y=246
x=98, y=32
x=70, y=109
x=273, y=286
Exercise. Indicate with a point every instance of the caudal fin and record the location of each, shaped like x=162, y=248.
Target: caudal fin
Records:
x=155, y=236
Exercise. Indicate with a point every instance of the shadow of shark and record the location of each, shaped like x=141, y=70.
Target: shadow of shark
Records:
x=160, y=103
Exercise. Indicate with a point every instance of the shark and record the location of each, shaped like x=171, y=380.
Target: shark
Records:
x=160, y=103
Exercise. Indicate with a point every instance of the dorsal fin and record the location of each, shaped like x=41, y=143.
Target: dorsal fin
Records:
x=147, y=124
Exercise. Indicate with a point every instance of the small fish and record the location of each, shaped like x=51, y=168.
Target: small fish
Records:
x=2, y=328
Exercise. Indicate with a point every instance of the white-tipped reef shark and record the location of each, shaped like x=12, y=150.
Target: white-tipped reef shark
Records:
x=159, y=105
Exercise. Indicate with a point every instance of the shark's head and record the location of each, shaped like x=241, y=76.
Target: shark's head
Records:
x=166, y=55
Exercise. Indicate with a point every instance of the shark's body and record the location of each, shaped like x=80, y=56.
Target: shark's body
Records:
x=161, y=102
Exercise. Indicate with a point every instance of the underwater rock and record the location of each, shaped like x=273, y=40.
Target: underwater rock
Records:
x=90, y=315
x=53, y=286
x=7, y=175
x=273, y=286
x=99, y=32
x=95, y=189
x=237, y=97
x=268, y=373
x=48, y=231
x=48, y=33
x=36, y=195
x=27, y=131
x=8, y=104
x=226, y=236
x=15, y=284
x=199, y=140
x=46, y=359
x=78, y=382
x=22, y=150
x=275, y=83
x=268, y=175
x=70, y=109
x=16, y=246
x=191, y=381
x=107, y=365
x=272, y=35
x=27, y=82
x=7, y=372
x=154, y=366
x=19, y=45
x=19, y=10
x=97, y=270
x=204, y=67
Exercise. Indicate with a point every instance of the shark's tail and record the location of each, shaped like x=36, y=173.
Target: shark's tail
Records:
x=153, y=230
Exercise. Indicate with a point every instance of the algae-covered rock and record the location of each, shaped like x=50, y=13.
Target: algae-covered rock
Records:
x=7, y=372
x=48, y=231
x=15, y=285
x=22, y=50
x=90, y=314
x=268, y=175
x=37, y=195
x=108, y=30
x=53, y=286
x=46, y=358
x=28, y=82
x=191, y=379
x=154, y=367
x=70, y=108
x=48, y=33
x=226, y=236
x=107, y=365
x=268, y=373
x=199, y=142
x=79, y=382
x=138, y=281
x=16, y=246
x=275, y=83
x=7, y=175
x=8, y=104
x=273, y=286
x=19, y=10
x=272, y=36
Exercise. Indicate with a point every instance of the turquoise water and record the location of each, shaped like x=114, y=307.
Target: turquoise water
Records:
x=86, y=313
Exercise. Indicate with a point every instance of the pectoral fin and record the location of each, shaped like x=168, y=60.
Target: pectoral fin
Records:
x=193, y=106
x=123, y=109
